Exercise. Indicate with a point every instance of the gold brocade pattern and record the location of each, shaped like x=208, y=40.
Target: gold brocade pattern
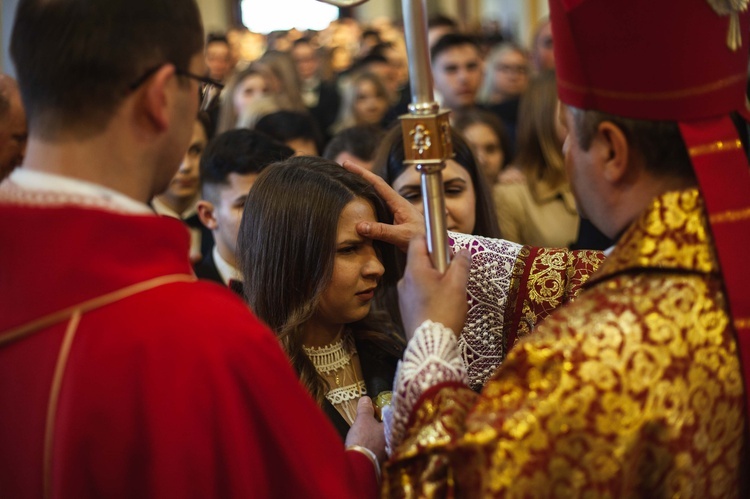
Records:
x=633, y=390
x=554, y=277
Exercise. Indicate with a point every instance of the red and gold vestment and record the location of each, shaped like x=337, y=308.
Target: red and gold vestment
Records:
x=633, y=389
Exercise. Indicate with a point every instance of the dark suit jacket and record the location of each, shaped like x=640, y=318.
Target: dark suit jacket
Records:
x=378, y=369
x=206, y=269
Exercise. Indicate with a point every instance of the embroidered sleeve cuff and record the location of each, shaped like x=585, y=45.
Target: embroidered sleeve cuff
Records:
x=481, y=343
x=431, y=358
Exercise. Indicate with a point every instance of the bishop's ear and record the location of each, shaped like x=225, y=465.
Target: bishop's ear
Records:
x=206, y=214
x=615, y=151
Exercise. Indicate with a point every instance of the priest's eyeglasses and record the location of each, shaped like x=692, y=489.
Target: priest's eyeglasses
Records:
x=209, y=88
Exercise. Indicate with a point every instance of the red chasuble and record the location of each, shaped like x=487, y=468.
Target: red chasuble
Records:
x=122, y=376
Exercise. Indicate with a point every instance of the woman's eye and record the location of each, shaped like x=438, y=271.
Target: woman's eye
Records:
x=347, y=249
x=454, y=191
x=412, y=196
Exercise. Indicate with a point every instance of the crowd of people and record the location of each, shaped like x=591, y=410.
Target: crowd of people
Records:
x=216, y=281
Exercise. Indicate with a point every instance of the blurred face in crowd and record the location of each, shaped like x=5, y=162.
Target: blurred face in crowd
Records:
x=12, y=135
x=306, y=60
x=488, y=151
x=248, y=90
x=218, y=60
x=544, y=55
x=458, y=74
x=356, y=271
x=186, y=182
x=369, y=105
x=388, y=75
x=460, y=199
x=340, y=59
x=511, y=71
x=224, y=217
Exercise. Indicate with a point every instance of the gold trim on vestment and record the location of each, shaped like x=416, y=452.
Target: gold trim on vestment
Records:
x=714, y=147
x=742, y=323
x=54, y=395
x=672, y=94
x=729, y=216
x=19, y=332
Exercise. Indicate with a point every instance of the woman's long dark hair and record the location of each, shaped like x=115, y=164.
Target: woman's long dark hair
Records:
x=286, y=249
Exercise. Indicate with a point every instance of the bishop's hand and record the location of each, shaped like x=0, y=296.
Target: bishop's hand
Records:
x=424, y=293
x=408, y=222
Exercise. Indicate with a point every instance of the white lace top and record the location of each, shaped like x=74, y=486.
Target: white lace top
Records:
x=338, y=363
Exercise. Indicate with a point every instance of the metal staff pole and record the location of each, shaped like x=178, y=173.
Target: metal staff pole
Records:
x=426, y=129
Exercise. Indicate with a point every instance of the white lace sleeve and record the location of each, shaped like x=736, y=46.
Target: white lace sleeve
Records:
x=431, y=358
x=481, y=343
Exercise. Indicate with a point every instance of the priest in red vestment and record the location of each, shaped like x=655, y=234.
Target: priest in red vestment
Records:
x=120, y=374
x=639, y=387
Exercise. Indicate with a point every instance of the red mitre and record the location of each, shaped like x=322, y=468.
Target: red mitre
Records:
x=677, y=60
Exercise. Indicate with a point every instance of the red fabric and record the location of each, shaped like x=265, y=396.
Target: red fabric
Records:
x=724, y=178
x=646, y=59
x=176, y=392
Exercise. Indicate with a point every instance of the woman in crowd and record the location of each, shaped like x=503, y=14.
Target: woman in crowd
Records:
x=540, y=209
x=507, y=75
x=365, y=102
x=243, y=89
x=285, y=84
x=486, y=135
x=468, y=201
x=312, y=279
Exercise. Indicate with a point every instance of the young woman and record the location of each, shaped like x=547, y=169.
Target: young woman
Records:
x=486, y=135
x=313, y=279
x=540, y=209
x=243, y=89
x=468, y=201
x=365, y=102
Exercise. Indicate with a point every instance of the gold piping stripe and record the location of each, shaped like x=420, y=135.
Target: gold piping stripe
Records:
x=54, y=395
x=714, y=147
x=55, y=317
x=742, y=323
x=729, y=216
x=674, y=94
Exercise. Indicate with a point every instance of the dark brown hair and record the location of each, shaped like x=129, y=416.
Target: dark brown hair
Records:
x=286, y=249
x=78, y=59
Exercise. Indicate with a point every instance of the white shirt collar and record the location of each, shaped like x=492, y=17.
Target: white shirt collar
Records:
x=226, y=271
x=43, y=181
x=161, y=208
